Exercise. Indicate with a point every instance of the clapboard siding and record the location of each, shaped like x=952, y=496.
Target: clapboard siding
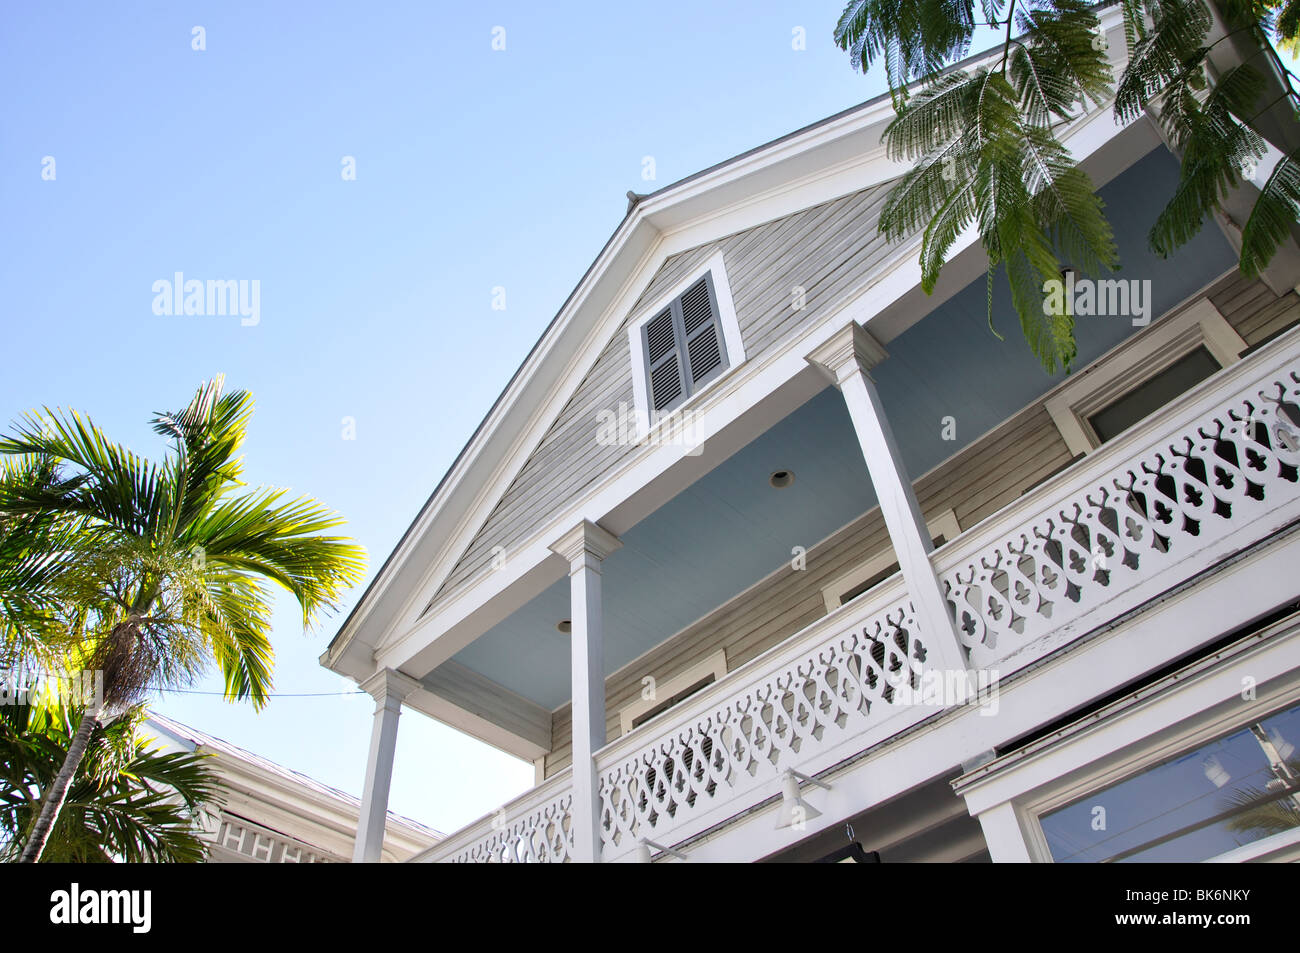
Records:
x=1251, y=308
x=827, y=250
x=974, y=484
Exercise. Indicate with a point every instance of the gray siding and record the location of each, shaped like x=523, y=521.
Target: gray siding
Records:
x=977, y=482
x=828, y=250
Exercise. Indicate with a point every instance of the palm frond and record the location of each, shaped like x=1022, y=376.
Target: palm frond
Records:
x=1274, y=214
x=1172, y=49
x=914, y=39
x=127, y=803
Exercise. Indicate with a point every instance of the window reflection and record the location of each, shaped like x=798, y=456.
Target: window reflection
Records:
x=1231, y=792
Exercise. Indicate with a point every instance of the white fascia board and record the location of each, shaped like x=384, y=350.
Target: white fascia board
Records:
x=429, y=549
x=705, y=208
x=515, y=742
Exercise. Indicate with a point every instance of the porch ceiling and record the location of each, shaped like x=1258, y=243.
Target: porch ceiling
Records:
x=731, y=528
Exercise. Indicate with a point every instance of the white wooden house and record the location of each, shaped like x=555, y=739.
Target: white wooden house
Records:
x=271, y=814
x=763, y=552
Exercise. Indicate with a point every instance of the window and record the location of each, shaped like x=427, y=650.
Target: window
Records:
x=684, y=349
x=1142, y=375
x=1153, y=393
x=681, y=696
x=686, y=341
x=672, y=691
x=1201, y=803
x=867, y=575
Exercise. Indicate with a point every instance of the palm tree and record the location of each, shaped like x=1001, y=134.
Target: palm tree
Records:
x=127, y=802
x=986, y=153
x=183, y=557
x=38, y=553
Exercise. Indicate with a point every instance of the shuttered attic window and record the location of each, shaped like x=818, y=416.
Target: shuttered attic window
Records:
x=684, y=346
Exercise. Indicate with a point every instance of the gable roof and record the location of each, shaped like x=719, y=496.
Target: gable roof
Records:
x=824, y=249
x=844, y=136
x=827, y=159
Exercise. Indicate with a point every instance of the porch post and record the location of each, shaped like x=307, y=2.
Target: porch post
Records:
x=1004, y=833
x=585, y=548
x=389, y=688
x=845, y=359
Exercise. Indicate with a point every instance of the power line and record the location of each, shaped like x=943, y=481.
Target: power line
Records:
x=190, y=691
x=194, y=691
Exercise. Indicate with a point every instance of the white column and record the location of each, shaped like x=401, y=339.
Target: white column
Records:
x=585, y=547
x=846, y=359
x=1004, y=833
x=388, y=688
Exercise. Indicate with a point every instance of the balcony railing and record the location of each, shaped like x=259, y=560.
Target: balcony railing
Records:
x=536, y=827
x=1209, y=476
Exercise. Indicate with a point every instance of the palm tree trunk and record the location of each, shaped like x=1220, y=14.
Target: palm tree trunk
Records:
x=52, y=802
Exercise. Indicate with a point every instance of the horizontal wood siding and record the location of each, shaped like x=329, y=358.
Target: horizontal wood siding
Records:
x=827, y=250
x=1251, y=308
x=974, y=484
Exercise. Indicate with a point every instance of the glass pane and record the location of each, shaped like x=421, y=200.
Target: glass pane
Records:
x=871, y=583
x=1200, y=804
x=1150, y=396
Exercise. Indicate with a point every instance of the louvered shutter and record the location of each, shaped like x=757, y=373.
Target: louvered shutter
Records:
x=684, y=347
x=663, y=362
x=705, y=349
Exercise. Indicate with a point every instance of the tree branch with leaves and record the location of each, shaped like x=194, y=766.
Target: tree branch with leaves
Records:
x=176, y=561
x=985, y=146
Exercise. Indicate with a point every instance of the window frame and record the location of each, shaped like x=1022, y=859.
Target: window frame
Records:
x=714, y=664
x=943, y=524
x=727, y=322
x=1192, y=733
x=1169, y=722
x=1134, y=363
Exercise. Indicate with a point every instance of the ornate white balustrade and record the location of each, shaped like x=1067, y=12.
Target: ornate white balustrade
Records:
x=536, y=827
x=1215, y=473
x=727, y=746
x=1212, y=475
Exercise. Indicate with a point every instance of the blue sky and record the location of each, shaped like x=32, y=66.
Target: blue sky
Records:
x=475, y=169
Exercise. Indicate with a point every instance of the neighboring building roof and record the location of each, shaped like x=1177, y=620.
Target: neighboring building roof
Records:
x=280, y=801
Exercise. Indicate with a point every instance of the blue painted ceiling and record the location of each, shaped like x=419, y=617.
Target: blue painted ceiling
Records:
x=731, y=528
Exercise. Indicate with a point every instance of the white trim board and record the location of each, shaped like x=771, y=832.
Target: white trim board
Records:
x=1190, y=708
x=944, y=524
x=715, y=665
x=1136, y=361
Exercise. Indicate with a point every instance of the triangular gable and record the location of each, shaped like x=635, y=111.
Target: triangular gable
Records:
x=827, y=250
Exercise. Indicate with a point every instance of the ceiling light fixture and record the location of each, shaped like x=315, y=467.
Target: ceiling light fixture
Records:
x=781, y=478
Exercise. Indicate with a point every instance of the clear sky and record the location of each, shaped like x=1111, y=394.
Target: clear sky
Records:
x=475, y=169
